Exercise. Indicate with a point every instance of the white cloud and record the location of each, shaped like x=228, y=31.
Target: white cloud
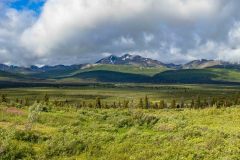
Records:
x=79, y=22
x=79, y=31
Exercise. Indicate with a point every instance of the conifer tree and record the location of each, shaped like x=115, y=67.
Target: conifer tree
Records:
x=17, y=100
x=192, y=105
x=26, y=102
x=46, y=98
x=21, y=101
x=114, y=105
x=140, y=105
x=161, y=104
x=173, y=104
x=84, y=104
x=146, y=103
x=106, y=105
x=182, y=105
x=125, y=103
x=205, y=103
x=156, y=105
x=98, y=103
x=119, y=104
x=213, y=102
x=198, y=102
x=4, y=99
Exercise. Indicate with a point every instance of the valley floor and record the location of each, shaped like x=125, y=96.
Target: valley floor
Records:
x=46, y=129
x=122, y=134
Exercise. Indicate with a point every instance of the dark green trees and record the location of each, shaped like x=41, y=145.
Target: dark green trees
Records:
x=146, y=103
x=173, y=104
x=46, y=99
x=140, y=105
x=98, y=103
x=161, y=104
x=4, y=99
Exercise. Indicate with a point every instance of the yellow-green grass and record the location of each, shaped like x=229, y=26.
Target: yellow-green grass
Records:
x=121, y=92
x=131, y=134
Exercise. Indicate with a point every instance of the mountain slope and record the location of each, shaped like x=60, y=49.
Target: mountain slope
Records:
x=150, y=71
x=206, y=76
x=128, y=59
x=5, y=76
x=110, y=76
x=203, y=63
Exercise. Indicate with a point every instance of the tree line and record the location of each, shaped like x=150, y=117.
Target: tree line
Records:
x=143, y=103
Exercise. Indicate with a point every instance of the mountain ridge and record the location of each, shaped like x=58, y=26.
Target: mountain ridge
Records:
x=126, y=59
x=127, y=68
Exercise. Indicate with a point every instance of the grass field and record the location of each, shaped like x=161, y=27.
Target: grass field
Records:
x=120, y=134
x=120, y=92
x=123, y=134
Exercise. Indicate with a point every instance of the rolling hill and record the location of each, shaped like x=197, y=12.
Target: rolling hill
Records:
x=127, y=68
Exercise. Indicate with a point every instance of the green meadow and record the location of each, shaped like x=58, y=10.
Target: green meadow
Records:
x=35, y=125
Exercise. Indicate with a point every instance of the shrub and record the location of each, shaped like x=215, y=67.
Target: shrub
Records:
x=145, y=119
x=64, y=144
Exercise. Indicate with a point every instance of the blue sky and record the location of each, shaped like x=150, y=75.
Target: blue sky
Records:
x=34, y=5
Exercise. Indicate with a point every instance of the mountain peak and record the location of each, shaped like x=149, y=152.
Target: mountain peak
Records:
x=128, y=59
x=203, y=63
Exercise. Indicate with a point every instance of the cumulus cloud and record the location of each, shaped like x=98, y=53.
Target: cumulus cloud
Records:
x=12, y=25
x=79, y=31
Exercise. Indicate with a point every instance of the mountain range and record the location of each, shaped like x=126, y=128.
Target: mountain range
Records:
x=127, y=68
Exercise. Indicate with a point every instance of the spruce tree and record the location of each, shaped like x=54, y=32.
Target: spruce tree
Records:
x=114, y=105
x=17, y=100
x=27, y=102
x=46, y=98
x=84, y=104
x=125, y=103
x=4, y=99
x=140, y=105
x=162, y=104
x=119, y=104
x=155, y=105
x=205, y=104
x=173, y=104
x=182, y=105
x=192, y=105
x=198, y=102
x=98, y=103
x=146, y=103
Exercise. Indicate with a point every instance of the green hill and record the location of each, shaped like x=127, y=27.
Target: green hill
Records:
x=110, y=76
x=190, y=76
x=130, y=74
x=198, y=76
x=5, y=76
x=150, y=71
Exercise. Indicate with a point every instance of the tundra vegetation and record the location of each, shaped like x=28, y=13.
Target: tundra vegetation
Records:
x=121, y=121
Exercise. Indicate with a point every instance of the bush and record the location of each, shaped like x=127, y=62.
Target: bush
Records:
x=11, y=149
x=145, y=119
x=125, y=122
x=29, y=136
x=64, y=144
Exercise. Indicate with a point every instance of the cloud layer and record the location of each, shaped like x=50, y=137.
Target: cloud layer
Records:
x=80, y=31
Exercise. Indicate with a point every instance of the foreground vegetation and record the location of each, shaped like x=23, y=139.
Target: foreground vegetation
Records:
x=53, y=123
x=122, y=134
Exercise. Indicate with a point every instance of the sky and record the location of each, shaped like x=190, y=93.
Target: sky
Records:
x=51, y=32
